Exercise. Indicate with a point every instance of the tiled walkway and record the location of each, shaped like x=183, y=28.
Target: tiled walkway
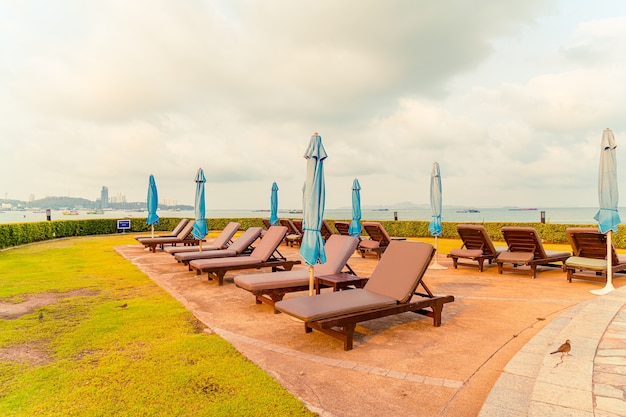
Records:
x=591, y=381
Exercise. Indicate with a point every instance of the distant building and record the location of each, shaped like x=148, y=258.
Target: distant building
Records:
x=118, y=198
x=104, y=197
x=31, y=198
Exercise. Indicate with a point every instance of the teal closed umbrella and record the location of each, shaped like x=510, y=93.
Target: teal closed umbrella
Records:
x=274, y=205
x=608, y=216
x=200, y=229
x=312, y=245
x=435, y=227
x=355, y=224
x=153, y=203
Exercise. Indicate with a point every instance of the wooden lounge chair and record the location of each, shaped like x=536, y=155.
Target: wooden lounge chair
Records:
x=184, y=237
x=220, y=242
x=326, y=231
x=477, y=246
x=589, y=255
x=266, y=223
x=261, y=256
x=293, y=236
x=173, y=233
x=378, y=241
x=271, y=287
x=389, y=290
x=343, y=228
x=241, y=246
x=525, y=248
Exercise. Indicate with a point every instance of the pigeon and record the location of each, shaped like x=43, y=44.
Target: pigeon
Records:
x=41, y=316
x=563, y=349
x=123, y=305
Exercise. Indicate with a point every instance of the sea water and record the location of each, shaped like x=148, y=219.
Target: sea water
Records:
x=557, y=215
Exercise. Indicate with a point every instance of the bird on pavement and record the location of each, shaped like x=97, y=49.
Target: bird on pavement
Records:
x=563, y=349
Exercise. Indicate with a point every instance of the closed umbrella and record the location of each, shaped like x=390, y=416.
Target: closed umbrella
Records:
x=153, y=203
x=434, y=227
x=200, y=230
x=355, y=224
x=274, y=205
x=608, y=195
x=312, y=245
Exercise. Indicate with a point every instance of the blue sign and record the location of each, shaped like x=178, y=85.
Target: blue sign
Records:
x=123, y=224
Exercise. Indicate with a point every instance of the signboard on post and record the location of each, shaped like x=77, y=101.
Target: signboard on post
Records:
x=123, y=225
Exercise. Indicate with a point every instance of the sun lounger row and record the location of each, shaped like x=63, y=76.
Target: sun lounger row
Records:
x=391, y=289
x=588, y=259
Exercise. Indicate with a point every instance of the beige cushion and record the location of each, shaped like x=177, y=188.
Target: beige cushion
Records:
x=586, y=263
x=369, y=244
x=273, y=280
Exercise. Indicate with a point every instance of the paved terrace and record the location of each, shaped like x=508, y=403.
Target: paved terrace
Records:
x=490, y=357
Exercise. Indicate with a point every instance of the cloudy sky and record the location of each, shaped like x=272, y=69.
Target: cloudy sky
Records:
x=509, y=97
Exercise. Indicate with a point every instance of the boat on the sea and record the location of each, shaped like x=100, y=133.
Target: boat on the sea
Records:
x=522, y=208
x=295, y=211
x=70, y=212
x=473, y=210
x=95, y=212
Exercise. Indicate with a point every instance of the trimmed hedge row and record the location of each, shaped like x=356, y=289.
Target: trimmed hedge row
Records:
x=14, y=234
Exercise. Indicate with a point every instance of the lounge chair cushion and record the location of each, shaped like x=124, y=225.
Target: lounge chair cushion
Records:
x=273, y=280
x=586, y=263
x=369, y=244
x=516, y=257
x=334, y=304
x=466, y=253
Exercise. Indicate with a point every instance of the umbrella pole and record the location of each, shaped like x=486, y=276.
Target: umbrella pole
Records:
x=609, y=267
x=152, y=230
x=435, y=265
x=311, y=280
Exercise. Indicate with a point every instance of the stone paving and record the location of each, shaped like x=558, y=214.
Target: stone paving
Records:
x=490, y=357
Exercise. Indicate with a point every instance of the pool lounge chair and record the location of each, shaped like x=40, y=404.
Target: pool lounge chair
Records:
x=220, y=242
x=343, y=228
x=262, y=256
x=378, y=241
x=173, y=233
x=240, y=246
x=389, y=291
x=271, y=287
x=477, y=246
x=293, y=236
x=525, y=249
x=184, y=238
x=589, y=255
x=326, y=230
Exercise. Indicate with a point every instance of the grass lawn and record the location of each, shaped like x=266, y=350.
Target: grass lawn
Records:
x=84, y=333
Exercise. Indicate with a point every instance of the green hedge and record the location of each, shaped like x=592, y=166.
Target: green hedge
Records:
x=14, y=234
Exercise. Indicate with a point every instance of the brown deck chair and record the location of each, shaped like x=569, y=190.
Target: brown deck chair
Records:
x=326, y=231
x=389, y=290
x=343, y=228
x=266, y=223
x=184, y=237
x=589, y=255
x=261, y=256
x=241, y=246
x=271, y=287
x=293, y=236
x=525, y=249
x=378, y=241
x=477, y=246
x=220, y=242
x=173, y=233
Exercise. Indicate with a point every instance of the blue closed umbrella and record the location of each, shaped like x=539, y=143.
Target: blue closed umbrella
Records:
x=200, y=229
x=434, y=227
x=608, y=216
x=312, y=245
x=274, y=205
x=153, y=203
x=355, y=224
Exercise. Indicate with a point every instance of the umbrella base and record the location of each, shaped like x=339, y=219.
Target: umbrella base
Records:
x=607, y=289
x=437, y=266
